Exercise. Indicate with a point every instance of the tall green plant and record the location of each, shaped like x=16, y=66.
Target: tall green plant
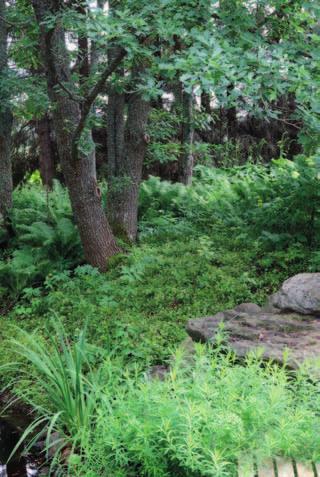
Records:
x=65, y=379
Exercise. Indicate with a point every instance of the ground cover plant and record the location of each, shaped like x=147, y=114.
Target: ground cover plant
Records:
x=235, y=252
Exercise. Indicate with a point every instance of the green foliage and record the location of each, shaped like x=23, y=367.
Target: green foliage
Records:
x=201, y=420
x=61, y=373
x=45, y=238
x=232, y=237
x=137, y=310
x=69, y=388
x=278, y=206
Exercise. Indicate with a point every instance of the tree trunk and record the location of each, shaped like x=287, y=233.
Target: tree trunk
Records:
x=127, y=143
x=115, y=125
x=231, y=116
x=186, y=160
x=84, y=68
x=6, y=185
x=46, y=153
x=126, y=151
x=96, y=236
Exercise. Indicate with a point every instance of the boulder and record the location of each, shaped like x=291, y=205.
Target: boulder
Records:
x=300, y=294
x=289, y=337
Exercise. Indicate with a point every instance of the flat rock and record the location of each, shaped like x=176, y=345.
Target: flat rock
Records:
x=276, y=334
x=300, y=294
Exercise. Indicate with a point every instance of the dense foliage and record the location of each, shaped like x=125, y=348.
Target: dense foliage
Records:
x=159, y=161
x=209, y=416
x=237, y=250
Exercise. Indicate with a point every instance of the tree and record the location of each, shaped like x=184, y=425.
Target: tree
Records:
x=46, y=151
x=70, y=112
x=228, y=52
x=127, y=141
x=5, y=121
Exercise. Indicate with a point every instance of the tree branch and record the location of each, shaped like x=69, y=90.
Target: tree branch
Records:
x=89, y=100
x=69, y=93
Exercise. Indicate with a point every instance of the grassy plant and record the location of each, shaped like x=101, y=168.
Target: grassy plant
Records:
x=200, y=421
x=61, y=373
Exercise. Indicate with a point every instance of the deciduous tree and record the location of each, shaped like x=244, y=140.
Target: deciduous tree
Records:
x=70, y=113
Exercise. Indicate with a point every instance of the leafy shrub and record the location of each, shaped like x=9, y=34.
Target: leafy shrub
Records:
x=201, y=420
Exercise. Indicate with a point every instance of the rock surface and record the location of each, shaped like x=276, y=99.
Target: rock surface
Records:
x=300, y=293
x=276, y=334
x=287, y=328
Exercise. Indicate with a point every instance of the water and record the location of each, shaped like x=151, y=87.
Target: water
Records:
x=11, y=428
x=9, y=436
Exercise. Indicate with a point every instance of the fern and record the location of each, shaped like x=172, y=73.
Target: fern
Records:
x=46, y=238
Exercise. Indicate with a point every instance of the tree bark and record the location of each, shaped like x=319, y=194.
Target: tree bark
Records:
x=84, y=68
x=231, y=116
x=115, y=129
x=127, y=143
x=6, y=185
x=126, y=150
x=68, y=118
x=46, y=152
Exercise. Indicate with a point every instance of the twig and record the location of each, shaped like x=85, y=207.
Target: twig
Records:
x=288, y=123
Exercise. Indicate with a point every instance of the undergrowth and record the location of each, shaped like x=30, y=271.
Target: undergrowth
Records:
x=232, y=237
x=207, y=415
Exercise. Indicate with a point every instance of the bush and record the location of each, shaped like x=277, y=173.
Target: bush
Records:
x=203, y=419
